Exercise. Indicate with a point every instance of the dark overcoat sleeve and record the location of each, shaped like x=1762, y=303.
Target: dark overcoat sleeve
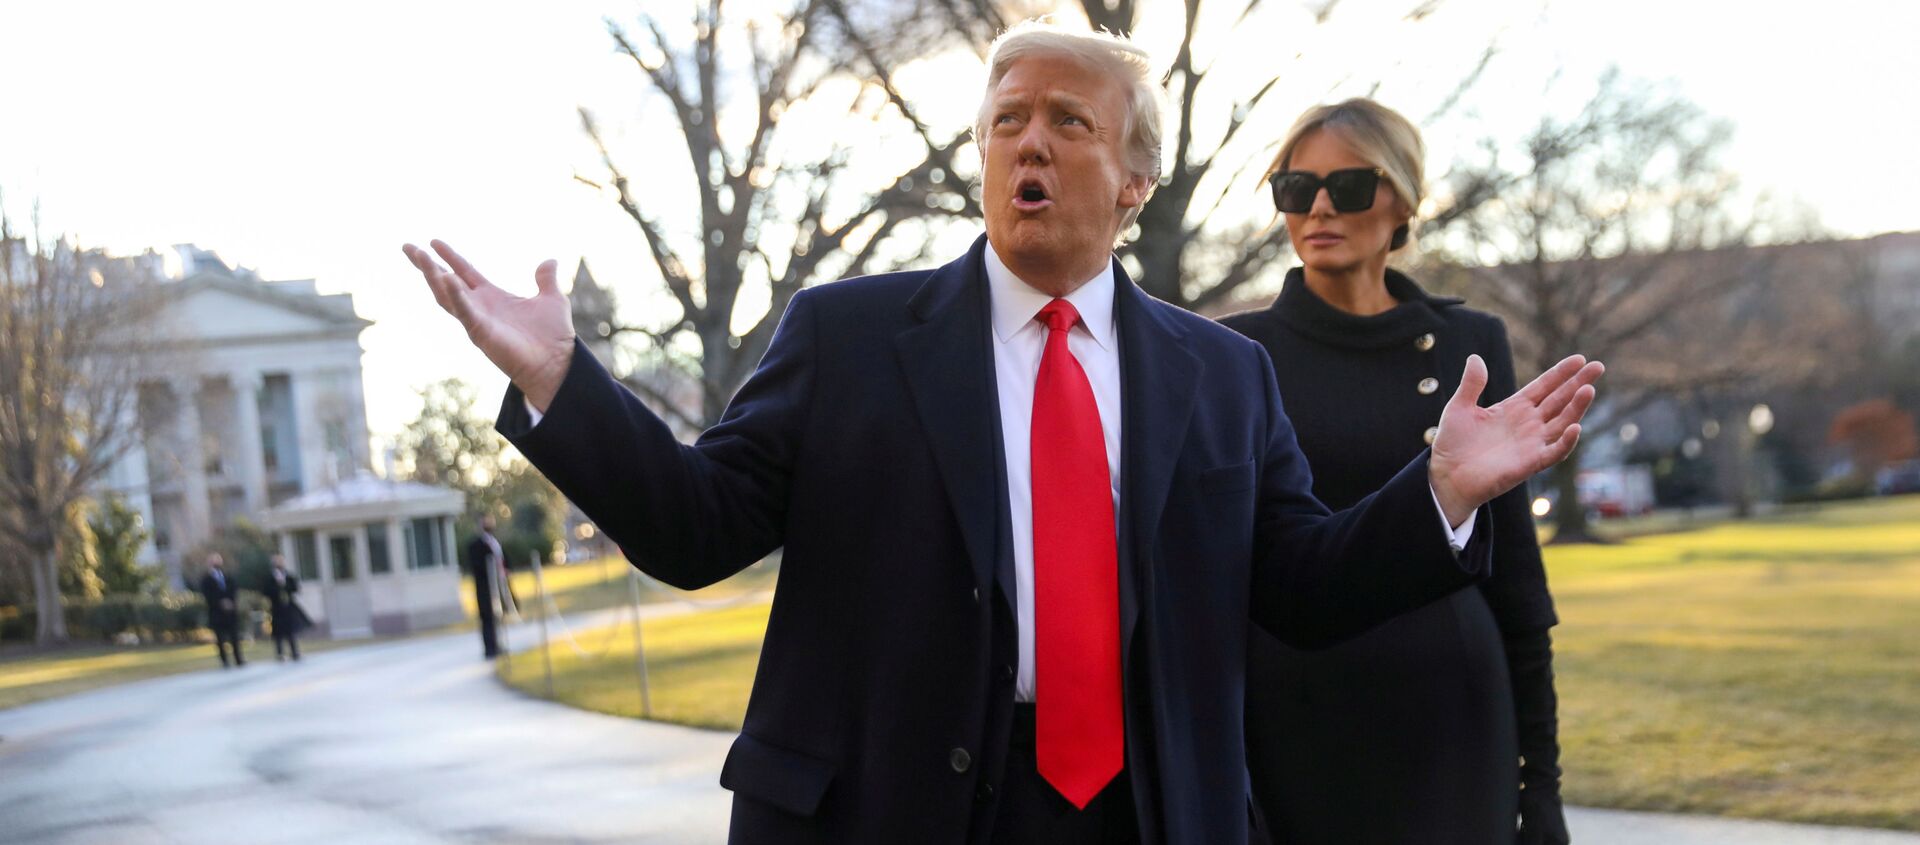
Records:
x=1322, y=577
x=689, y=515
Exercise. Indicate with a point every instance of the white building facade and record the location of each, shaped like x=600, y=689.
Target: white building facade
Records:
x=255, y=399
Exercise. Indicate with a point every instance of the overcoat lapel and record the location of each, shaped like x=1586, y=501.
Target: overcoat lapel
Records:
x=949, y=371
x=1159, y=377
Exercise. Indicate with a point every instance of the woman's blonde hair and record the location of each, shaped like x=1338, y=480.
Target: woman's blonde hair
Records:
x=1382, y=136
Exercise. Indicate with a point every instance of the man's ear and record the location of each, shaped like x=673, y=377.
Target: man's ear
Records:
x=1134, y=193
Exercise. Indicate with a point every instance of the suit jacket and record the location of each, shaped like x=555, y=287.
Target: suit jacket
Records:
x=219, y=616
x=867, y=444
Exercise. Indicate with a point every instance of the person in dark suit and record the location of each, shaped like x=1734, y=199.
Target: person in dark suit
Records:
x=289, y=619
x=483, y=562
x=1027, y=511
x=1446, y=713
x=223, y=611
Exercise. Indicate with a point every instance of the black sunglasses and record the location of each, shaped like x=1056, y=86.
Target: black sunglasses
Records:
x=1350, y=190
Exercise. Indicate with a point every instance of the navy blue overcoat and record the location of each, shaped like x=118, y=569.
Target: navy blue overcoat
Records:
x=867, y=445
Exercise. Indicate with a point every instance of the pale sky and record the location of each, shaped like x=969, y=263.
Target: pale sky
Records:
x=310, y=142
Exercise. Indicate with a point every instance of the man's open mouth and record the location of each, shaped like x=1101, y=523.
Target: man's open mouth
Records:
x=1031, y=196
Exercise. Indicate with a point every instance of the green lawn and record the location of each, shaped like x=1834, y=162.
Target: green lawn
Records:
x=1768, y=669
x=598, y=584
x=699, y=667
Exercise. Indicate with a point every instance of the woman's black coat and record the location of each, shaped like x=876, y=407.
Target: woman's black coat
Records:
x=1438, y=726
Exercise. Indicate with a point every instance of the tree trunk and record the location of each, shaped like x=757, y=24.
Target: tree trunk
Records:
x=1570, y=517
x=52, y=624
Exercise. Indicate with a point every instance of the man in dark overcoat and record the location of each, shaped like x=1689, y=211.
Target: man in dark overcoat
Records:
x=223, y=609
x=483, y=562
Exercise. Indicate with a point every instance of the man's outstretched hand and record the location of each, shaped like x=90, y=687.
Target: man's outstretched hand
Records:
x=1483, y=452
x=528, y=338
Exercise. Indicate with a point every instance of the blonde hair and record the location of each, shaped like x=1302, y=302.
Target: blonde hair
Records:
x=1381, y=136
x=1128, y=62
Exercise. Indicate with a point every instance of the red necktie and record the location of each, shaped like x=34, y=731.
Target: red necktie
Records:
x=1076, y=587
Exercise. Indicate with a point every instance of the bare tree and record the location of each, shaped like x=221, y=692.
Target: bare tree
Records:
x=1620, y=235
x=1184, y=253
x=68, y=393
x=769, y=214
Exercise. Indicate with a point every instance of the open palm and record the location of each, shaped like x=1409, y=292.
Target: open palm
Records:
x=1481, y=453
x=528, y=338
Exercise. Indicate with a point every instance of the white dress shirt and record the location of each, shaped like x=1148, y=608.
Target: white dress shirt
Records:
x=1018, y=341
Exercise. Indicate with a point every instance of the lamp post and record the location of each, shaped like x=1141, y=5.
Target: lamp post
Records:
x=1759, y=422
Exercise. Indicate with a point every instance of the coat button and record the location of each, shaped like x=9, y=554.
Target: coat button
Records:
x=1523, y=761
x=960, y=760
x=976, y=595
x=1429, y=385
x=985, y=791
x=1424, y=342
x=1430, y=434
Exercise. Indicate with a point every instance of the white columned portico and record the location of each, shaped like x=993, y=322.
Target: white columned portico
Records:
x=191, y=452
x=253, y=469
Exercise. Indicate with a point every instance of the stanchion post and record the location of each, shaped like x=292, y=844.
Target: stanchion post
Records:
x=546, y=648
x=639, y=653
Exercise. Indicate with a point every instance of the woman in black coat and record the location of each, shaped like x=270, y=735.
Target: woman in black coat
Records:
x=289, y=619
x=1438, y=726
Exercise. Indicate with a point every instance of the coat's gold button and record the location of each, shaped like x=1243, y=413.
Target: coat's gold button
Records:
x=1429, y=385
x=1424, y=342
x=1431, y=434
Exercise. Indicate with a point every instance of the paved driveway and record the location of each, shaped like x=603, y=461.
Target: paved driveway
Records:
x=415, y=742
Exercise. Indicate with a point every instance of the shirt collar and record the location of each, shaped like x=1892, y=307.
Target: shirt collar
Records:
x=1016, y=303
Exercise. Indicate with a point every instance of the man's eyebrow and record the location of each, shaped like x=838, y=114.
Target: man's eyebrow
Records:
x=1069, y=102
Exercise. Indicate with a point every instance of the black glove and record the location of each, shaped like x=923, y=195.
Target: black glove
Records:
x=1542, y=821
x=1530, y=665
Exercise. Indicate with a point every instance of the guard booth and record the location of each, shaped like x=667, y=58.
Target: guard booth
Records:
x=374, y=556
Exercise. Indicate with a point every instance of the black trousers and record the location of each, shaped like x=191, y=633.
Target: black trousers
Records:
x=285, y=639
x=489, y=638
x=1031, y=811
x=225, y=635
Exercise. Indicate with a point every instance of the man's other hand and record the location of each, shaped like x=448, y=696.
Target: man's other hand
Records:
x=528, y=338
x=1483, y=452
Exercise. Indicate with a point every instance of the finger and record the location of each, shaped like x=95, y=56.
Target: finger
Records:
x=1472, y=381
x=429, y=270
x=1575, y=410
x=1558, y=450
x=461, y=267
x=448, y=291
x=1557, y=402
x=546, y=277
x=1540, y=388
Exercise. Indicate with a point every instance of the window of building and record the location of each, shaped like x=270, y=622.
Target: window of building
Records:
x=306, y=555
x=377, y=559
x=426, y=542
x=340, y=550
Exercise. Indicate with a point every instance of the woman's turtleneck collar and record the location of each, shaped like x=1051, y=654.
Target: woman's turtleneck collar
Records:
x=1416, y=314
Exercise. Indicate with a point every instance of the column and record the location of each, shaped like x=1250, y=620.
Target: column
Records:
x=195, y=503
x=308, y=440
x=249, y=454
x=448, y=554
